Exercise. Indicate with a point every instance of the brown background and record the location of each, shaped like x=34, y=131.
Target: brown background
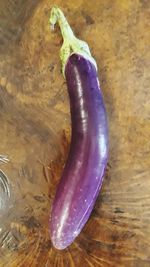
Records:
x=35, y=132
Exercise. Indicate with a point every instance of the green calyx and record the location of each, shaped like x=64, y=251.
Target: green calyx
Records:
x=71, y=44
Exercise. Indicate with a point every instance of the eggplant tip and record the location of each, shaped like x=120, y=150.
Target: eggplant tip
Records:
x=59, y=244
x=62, y=240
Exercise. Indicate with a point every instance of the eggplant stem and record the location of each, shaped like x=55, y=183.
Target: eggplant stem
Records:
x=58, y=16
x=71, y=44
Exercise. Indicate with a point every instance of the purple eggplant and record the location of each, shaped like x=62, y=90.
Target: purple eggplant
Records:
x=83, y=173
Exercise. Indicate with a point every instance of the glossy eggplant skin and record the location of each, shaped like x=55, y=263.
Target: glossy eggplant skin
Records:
x=84, y=170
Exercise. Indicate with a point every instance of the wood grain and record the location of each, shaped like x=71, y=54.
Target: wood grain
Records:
x=35, y=132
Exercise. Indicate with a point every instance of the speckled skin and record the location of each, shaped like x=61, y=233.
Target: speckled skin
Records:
x=83, y=173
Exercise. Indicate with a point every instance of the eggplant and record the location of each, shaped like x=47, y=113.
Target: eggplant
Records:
x=83, y=172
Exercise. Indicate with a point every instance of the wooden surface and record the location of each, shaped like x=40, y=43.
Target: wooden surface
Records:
x=35, y=132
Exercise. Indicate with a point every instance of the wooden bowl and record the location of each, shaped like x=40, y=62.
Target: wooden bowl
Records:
x=35, y=132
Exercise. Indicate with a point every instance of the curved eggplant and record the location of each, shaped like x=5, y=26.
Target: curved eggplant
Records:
x=84, y=169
